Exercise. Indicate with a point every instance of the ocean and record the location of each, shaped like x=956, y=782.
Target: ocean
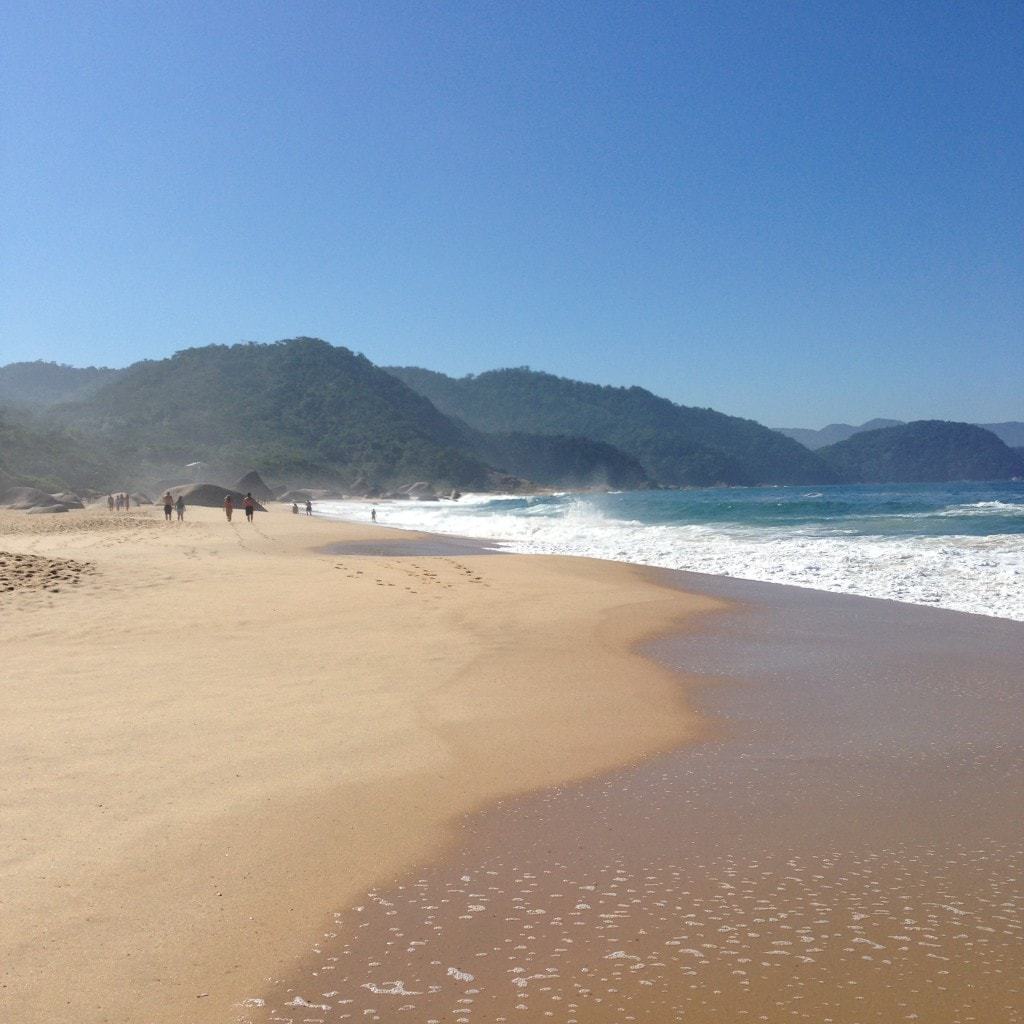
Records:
x=958, y=546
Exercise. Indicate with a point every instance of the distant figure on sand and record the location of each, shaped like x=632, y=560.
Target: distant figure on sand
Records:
x=309, y=507
x=110, y=502
x=127, y=501
x=249, y=505
x=180, y=506
x=168, y=505
x=373, y=515
x=295, y=509
x=120, y=502
x=229, y=507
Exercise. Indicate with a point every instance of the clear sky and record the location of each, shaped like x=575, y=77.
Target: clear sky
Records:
x=798, y=212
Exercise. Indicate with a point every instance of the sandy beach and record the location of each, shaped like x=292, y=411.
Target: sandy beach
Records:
x=216, y=735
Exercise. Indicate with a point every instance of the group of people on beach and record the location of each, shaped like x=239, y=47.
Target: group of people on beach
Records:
x=171, y=505
x=248, y=502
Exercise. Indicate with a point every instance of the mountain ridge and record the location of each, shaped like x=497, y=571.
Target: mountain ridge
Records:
x=924, y=451
x=677, y=445
x=1010, y=432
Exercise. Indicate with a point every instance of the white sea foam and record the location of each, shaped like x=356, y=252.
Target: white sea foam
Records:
x=980, y=574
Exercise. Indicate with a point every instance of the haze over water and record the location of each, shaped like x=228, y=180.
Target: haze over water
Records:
x=957, y=546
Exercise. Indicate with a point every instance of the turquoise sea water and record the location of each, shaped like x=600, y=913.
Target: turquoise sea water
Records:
x=953, y=545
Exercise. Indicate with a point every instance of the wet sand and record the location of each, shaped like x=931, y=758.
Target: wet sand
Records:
x=404, y=544
x=845, y=848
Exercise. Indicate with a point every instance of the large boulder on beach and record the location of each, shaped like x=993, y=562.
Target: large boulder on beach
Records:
x=138, y=498
x=24, y=498
x=210, y=496
x=254, y=484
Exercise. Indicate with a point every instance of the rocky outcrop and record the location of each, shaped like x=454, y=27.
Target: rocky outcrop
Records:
x=24, y=498
x=254, y=484
x=210, y=496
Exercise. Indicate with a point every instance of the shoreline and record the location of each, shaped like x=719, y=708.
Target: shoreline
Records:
x=957, y=558
x=842, y=845
x=177, y=757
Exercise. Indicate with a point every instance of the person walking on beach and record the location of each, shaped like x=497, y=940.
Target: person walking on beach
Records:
x=168, y=505
x=309, y=507
x=373, y=515
x=229, y=506
x=120, y=502
x=180, y=507
x=250, y=504
x=110, y=502
x=127, y=502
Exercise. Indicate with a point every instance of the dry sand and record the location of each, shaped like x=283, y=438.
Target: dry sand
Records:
x=213, y=736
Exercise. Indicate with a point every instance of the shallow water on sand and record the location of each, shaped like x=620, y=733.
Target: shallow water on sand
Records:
x=847, y=848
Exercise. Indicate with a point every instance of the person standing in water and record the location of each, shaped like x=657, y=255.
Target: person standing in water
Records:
x=249, y=503
x=309, y=507
x=180, y=506
x=373, y=515
x=229, y=506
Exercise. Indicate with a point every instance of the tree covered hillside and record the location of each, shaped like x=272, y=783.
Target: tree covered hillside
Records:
x=37, y=385
x=53, y=459
x=298, y=409
x=926, y=451
x=676, y=445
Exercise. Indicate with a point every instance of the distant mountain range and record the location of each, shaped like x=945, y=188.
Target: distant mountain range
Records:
x=303, y=412
x=1010, y=432
x=300, y=411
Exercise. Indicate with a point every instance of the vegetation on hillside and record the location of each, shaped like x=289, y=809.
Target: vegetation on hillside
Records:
x=676, y=445
x=39, y=384
x=50, y=458
x=298, y=409
x=305, y=412
x=925, y=451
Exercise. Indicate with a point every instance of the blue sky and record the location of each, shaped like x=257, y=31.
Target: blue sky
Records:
x=798, y=212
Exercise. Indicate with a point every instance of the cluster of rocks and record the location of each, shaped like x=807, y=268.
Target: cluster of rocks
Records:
x=35, y=501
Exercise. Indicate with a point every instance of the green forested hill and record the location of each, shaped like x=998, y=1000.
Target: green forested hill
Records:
x=51, y=458
x=926, y=451
x=299, y=409
x=676, y=445
x=40, y=384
